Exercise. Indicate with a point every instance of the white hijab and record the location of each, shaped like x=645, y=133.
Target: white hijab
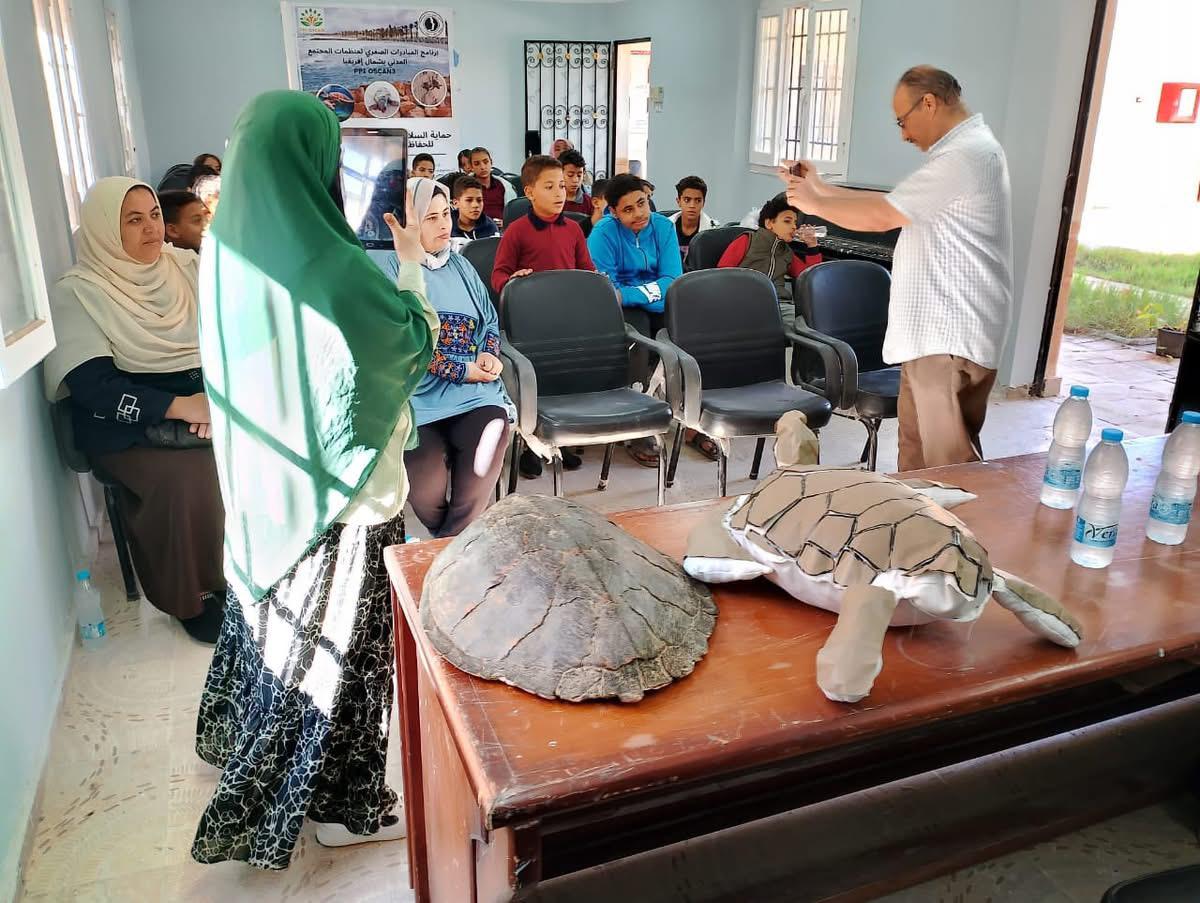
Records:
x=141, y=315
x=422, y=192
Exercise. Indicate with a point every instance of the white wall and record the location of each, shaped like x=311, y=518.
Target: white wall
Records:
x=45, y=536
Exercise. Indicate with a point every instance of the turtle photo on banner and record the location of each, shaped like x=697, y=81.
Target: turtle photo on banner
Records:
x=378, y=66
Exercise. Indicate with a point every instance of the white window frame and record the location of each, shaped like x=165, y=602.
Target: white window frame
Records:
x=120, y=86
x=771, y=106
x=56, y=43
x=23, y=344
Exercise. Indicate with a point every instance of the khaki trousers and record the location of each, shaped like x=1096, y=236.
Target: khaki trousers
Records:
x=942, y=406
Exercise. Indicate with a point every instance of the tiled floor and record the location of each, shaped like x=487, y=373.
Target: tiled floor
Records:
x=123, y=789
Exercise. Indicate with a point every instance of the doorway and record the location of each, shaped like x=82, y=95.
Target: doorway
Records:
x=1129, y=254
x=631, y=96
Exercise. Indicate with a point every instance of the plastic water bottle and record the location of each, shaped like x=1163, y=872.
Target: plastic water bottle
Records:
x=1171, y=505
x=1064, y=465
x=1099, y=511
x=88, y=612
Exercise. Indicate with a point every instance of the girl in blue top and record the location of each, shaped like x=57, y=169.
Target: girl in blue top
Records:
x=460, y=408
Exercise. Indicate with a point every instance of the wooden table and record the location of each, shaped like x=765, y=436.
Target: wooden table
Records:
x=504, y=789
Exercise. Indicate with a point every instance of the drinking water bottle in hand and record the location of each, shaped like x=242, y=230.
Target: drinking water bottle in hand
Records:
x=1171, y=505
x=1064, y=465
x=1099, y=511
x=88, y=612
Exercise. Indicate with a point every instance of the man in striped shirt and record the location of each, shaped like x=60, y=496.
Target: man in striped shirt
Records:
x=952, y=284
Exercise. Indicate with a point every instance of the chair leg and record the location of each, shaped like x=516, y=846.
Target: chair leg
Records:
x=722, y=467
x=403, y=530
x=675, y=446
x=758, y=455
x=558, y=474
x=513, y=463
x=872, y=450
x=117, y=523
x=604, y=468
x=661, y=445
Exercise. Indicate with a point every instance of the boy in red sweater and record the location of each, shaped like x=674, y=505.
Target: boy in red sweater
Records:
x=768, y=251
x=541, y=240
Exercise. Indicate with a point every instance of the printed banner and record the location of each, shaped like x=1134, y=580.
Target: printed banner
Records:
x=378, y=66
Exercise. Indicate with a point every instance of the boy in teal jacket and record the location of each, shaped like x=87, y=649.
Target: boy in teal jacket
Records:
x=638, y=251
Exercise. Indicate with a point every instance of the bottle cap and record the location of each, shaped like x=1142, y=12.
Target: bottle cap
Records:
x=1112, y=435
x=1080, y=391
x=1190, y=417
x=83, y=575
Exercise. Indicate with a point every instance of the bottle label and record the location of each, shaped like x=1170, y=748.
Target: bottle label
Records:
x=1064, y=476
x=1096, y=536
x=1176, y=512
x=92, y=631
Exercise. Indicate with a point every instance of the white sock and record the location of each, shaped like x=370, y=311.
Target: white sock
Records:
x=332, y=834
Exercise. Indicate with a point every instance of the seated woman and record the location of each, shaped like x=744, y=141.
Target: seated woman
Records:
x=768, y=250
x=128, y=356
x=460, y=407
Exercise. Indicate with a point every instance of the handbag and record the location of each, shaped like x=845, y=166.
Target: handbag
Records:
x=174, y=434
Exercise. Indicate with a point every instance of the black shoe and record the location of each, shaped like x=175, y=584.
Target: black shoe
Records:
x=571, y=461
x=206, y=626
x=529, y=465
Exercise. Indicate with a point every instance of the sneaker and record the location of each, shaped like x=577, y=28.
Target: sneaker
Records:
x=529, y=465
x=206, y=626
x=331, y=834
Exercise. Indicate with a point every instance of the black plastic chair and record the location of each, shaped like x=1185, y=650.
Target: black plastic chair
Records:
x=481, y=254
x=584, y=221
x=64, y=435
x=707, y=247
x=515, y=209
x=725, y=363
x=567, y=346
x=1172, y=886
x=177, y=178
x=668, y=213
x=845, y=306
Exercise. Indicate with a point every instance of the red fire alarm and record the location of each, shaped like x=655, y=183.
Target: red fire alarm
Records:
x=1179, y=102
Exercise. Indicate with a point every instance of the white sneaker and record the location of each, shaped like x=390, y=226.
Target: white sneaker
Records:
x=332, y=834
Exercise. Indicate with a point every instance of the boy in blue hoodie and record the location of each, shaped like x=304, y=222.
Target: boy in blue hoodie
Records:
x=638, y=251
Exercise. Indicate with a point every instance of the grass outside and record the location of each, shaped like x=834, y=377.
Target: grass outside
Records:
x=1135, y=312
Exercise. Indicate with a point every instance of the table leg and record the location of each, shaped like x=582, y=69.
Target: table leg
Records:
x=410, y=751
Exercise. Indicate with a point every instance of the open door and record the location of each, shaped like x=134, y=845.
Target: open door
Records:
x=631, y=103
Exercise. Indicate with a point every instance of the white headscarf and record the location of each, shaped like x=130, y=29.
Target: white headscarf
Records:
x=142, y=315
x=422, y=192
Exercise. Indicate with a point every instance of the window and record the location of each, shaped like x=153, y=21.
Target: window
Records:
x=26, y=335
x=117, y=55
x=804, y=84
x=56, y=39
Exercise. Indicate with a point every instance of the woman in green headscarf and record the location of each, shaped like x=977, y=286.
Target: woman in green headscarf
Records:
x=310, y=357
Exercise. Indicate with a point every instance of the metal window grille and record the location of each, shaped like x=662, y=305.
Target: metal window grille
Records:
x=567, y=95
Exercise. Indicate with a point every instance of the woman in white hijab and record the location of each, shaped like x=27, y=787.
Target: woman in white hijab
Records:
x=128, y=359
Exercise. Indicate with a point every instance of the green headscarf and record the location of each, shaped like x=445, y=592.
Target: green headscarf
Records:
x=310, y=353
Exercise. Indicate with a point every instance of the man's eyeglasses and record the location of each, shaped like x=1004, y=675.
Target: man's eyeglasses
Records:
x=900, y=120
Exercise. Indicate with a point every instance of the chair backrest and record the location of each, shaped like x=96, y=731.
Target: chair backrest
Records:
x=707, y=247
x=569, y=324
x=481, y=254
x=585, y=221
x=513, y=179
x=64, y=436
x=670, y=212
x=450, y=178
x=848, y=300
x=729, y=321
x=516, y=209
x=178, y=177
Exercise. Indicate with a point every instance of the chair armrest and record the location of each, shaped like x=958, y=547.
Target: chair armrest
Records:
x=520, y=381
x=838, y=360
x=683, y=380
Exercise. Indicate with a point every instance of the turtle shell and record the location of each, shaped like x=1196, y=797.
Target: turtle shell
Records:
x=852, y=525
x=551, y=597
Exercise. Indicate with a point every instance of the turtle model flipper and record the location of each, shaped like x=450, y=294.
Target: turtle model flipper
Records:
x=713, y=557
x=852, y=657
x=1042, y=614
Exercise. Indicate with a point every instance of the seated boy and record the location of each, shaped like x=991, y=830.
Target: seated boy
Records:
x=185, y=218
x=691, y=192
x=541, y=240
x=636, y=249
x=469, y=220
x=574, y=169
x=494, y=197
x=599, y=204
x=423, y=166
x=768, y=251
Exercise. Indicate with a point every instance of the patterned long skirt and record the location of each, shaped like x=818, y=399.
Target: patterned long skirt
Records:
x=298, y=701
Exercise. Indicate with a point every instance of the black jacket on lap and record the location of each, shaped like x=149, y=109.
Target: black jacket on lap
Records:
x=111, y=408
